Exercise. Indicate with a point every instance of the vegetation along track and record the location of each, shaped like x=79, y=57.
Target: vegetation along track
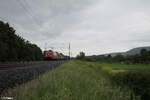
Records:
x=12, y=75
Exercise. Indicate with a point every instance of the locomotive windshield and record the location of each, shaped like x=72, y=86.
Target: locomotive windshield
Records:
x=48, y=53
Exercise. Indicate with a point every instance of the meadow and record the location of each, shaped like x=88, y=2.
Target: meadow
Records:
x=75, y=80
x=126, y=67
x=134, y=76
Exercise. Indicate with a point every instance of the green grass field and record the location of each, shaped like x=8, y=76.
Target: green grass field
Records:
x=75, y=80
x=117, y=67
x=134, y=76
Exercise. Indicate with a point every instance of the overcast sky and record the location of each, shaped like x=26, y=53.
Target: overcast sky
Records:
x=92, y=26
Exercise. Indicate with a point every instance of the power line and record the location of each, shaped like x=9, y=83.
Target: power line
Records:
x=31, y=11
x=28, y=12
x=26, y=3
x=59, y=48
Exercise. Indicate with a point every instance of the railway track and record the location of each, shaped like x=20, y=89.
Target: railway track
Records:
x=12, y=75
x=7, y=66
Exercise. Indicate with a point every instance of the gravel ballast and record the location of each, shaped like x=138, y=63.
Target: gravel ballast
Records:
x=17, y=76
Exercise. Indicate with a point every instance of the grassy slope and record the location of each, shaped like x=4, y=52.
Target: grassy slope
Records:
x=75, y=80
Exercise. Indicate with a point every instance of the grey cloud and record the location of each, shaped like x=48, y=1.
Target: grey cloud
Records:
x=49, y=18
x=94, y=26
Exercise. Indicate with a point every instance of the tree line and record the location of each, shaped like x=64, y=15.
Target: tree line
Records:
x=81, y=56
x=142, y=58
x=14, y=48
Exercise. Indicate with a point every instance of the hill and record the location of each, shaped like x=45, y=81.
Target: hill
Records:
x=136, y=50
x=129, y=52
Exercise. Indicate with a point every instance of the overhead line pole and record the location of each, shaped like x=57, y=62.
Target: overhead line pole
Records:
x=69, y=50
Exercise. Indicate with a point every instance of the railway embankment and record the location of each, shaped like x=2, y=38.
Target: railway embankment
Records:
x=15, y=76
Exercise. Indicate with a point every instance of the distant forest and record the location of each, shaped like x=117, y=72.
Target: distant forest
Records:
x=15, y=48
x=142, y=58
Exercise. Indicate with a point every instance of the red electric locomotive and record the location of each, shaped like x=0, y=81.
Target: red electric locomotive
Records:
x=52, y=55
x=49, y=55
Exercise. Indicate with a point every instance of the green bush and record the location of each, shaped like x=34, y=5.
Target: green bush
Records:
x=138, y=82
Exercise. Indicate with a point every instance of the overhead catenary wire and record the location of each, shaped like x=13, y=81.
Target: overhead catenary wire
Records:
x=28, y=12
x=63, y=49
x=31, y=10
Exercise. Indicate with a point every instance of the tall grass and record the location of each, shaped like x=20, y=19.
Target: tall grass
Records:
x=75, y=80
x=136, y=77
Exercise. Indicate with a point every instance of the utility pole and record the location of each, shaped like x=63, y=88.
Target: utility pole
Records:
x=69, y=50
x=45, y=46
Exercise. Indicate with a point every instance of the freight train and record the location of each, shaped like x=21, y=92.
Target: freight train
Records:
x=52, y=55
